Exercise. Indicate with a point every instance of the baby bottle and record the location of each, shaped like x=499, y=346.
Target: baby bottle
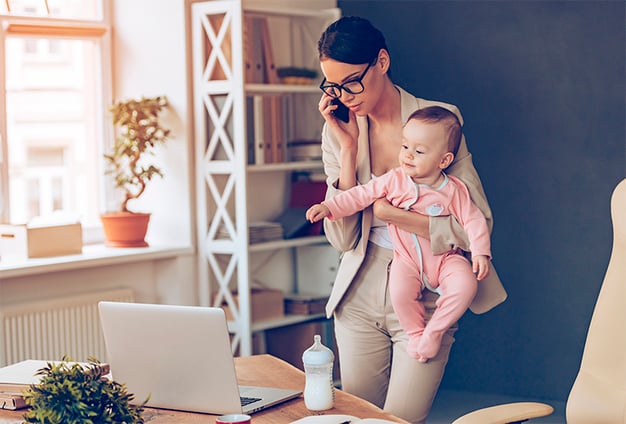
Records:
x=319, y=391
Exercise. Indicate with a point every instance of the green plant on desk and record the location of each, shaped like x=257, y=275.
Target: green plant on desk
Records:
x=74, y=393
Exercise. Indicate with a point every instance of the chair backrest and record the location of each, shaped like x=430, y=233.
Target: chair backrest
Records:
x=599, y=392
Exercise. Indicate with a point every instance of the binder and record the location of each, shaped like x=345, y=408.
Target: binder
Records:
x=259, y=129
x=278, y=131
x=254, y=68
x=269, y=67
x=268, y=129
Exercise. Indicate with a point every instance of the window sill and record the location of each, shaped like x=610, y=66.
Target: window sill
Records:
x=92, y=256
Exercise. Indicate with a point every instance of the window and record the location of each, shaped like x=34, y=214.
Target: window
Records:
x=54, y=80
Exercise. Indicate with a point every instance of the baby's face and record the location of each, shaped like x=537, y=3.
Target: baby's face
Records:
x=424, y=146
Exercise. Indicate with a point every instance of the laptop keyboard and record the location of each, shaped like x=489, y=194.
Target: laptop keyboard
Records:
x=248, y=400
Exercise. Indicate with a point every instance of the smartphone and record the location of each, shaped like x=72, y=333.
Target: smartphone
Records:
x=342, y=112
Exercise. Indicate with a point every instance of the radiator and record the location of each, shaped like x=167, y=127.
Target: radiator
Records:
x=51, y=328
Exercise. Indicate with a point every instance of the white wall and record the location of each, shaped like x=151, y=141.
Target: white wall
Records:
x=155, y=281
x=149, y=60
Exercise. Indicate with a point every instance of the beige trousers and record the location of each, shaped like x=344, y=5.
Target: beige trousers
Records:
x=373, y=360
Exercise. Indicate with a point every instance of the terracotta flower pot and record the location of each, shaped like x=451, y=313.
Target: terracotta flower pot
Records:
x=125, y=229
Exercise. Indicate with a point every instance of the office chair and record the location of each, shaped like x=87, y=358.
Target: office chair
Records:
x=598, y=395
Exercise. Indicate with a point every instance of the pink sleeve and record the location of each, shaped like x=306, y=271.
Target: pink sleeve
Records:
x=472, y=220
x=357, y=198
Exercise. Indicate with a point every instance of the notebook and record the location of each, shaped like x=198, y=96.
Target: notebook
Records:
x=181, y=357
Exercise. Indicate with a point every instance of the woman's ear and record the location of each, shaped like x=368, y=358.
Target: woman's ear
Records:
x=446, y=160
x=384, y=61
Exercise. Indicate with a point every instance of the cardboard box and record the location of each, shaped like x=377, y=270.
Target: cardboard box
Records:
x=264, y=304
x=21, y=241
x=306, y=304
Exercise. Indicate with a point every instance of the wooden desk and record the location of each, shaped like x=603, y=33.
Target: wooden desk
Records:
x=258, y=370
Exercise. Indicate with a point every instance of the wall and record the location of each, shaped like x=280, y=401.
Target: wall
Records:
x=152, y=281
x=150, y=60
x=541, y=88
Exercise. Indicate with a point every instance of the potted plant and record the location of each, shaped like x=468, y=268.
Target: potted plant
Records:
x=73, y=393
x=138, y=132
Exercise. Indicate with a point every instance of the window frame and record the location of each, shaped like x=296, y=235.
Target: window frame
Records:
x=71, y=29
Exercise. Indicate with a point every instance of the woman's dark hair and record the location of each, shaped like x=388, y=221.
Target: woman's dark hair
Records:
x=352, y=40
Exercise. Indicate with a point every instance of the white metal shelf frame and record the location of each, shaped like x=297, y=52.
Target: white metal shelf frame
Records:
x=221, y=163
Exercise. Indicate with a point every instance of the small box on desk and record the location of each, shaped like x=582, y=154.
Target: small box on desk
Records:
x=264, y=304
x=22, y=241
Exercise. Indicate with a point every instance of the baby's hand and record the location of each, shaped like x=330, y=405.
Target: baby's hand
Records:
x=480, y=266
x=317, y=212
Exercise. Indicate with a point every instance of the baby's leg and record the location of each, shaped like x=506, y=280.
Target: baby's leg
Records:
x=405, y=290
x=458, y=287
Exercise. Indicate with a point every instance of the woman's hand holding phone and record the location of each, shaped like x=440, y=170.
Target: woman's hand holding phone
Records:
x=347, y=132
x=341, y=111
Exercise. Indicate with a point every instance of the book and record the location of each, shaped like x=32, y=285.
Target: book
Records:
x=12, y=401
x=17, y=377
x=294, y=222
x=303, y=195
x=340, y=419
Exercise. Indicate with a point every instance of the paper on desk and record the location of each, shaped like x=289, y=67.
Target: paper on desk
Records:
x=16, y=377
x=339, y=419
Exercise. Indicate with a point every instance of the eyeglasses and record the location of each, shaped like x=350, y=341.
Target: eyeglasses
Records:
x=353, y=86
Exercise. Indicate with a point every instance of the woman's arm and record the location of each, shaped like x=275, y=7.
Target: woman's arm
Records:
x=340, y=168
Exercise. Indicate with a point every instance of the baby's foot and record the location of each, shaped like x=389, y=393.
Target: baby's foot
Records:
x=428, y=346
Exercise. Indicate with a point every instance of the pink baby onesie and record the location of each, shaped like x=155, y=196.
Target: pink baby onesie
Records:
x=414, y=266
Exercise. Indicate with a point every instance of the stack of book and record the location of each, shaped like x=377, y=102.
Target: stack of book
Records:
x=12, y=401
x=264, y=231
x=258, y=232
x=16, y=378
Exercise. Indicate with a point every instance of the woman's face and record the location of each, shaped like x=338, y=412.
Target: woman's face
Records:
x=340, y=73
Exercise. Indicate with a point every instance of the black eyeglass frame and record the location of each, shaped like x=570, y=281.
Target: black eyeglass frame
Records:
x=340, y=87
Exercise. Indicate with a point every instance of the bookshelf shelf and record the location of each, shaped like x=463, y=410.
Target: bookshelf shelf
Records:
x=288, y=319
x=288, y=243
x=237, y=47
x=287, y=166
x=229, y=246
x=252, y=89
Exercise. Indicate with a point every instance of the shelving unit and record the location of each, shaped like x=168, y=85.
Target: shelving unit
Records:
x=233, y=191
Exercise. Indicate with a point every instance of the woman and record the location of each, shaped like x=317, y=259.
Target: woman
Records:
x=372, y=346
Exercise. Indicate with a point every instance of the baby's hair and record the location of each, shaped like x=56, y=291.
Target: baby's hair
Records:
x=352, y=40
x=438, y=114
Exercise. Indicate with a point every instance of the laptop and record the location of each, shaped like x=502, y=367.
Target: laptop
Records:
x=179, y=356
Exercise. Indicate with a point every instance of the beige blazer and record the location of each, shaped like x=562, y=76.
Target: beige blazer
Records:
x=350, y=235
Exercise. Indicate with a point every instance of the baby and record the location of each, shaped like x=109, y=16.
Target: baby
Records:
x=430, y=140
